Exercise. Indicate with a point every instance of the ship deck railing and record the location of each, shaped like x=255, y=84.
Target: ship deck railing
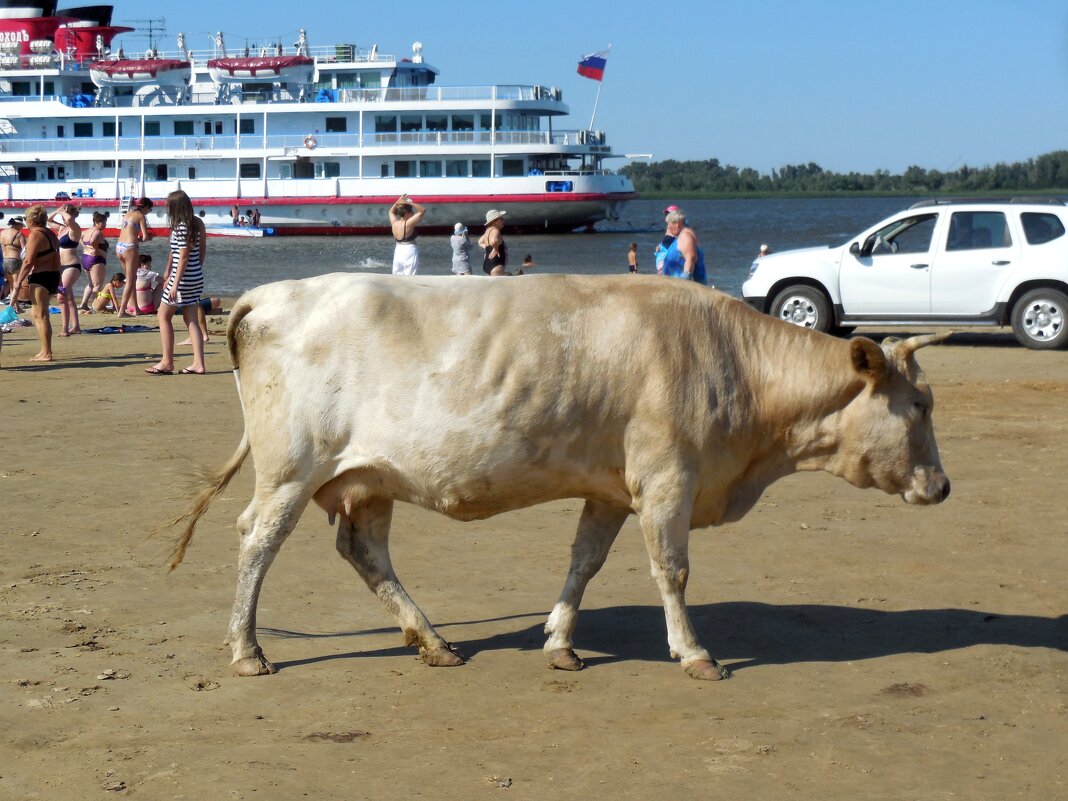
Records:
x=295, y=142
x=201, y=95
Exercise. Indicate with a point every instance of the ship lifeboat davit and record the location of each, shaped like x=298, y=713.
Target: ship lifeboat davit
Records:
x=266, y=69
x=164, y=72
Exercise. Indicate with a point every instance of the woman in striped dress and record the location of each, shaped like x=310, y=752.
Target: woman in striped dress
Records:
x=184, y=284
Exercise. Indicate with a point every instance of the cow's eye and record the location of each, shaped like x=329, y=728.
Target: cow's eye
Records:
x=922, y=409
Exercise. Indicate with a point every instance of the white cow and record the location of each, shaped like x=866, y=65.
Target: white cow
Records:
x=641, y=395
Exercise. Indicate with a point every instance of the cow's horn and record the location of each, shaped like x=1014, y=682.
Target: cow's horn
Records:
x=912, y=344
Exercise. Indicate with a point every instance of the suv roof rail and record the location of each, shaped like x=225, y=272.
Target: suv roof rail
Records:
x=952, y=201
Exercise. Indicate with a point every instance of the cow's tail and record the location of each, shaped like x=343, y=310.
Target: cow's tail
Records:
x=214, y=481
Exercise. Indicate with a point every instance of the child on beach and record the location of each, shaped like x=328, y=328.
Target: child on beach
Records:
x=108, y=298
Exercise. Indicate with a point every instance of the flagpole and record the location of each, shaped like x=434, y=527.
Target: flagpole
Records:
x=597, y=99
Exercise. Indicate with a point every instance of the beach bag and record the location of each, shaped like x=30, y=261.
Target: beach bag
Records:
x=8, y=315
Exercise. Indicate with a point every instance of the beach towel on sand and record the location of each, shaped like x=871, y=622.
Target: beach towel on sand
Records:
x=121, y=329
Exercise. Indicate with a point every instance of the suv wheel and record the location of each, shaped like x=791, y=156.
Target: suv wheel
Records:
x=805, y=306
x=1039, y=318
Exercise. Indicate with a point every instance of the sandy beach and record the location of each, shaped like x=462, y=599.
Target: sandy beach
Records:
x=879, y=650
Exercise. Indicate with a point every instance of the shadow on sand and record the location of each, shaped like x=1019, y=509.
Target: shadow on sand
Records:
x=745, y=634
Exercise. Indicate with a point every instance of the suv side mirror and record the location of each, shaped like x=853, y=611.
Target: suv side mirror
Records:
x=854, y=249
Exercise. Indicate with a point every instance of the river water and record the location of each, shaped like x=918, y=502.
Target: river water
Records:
x=730, y=231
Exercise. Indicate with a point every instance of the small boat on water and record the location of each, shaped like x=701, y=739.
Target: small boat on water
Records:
x=322, y=139
x=237, y=231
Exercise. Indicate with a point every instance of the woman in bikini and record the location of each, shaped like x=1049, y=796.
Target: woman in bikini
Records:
x=405, y=215
x=94, y=258
x=12, y=241
x=40, y=272
x=133, y=225
x=65, y=220
x=184, y=284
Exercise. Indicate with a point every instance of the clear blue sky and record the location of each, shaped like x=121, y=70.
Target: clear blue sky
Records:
x=849, y=84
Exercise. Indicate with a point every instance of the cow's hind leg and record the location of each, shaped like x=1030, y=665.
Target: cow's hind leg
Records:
x=363, y=541
x=597, y=530
x=666, y=528
x=263, y=526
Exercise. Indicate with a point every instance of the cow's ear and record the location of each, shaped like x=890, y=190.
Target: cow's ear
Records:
x=868, y=359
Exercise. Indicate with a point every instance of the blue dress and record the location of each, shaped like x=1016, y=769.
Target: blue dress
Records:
x=671, y=262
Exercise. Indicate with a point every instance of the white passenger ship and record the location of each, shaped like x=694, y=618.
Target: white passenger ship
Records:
x=320, y=140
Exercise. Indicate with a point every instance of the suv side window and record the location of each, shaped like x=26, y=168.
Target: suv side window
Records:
x=910, y=235
x=974, y=230
x=1041, y=228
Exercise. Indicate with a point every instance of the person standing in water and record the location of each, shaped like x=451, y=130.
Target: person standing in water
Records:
x=404, y=217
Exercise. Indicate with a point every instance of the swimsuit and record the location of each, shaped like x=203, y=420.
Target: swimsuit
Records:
x=122, y=247
x=501, y=260
x=49, y=280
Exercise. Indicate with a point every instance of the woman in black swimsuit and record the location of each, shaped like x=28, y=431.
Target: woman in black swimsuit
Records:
x=70, y=235
x=495, y=261
x=40, y=272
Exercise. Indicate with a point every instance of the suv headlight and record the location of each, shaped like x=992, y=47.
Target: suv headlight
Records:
x=753, y=268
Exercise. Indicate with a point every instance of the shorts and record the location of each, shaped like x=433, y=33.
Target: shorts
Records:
x=49, y=280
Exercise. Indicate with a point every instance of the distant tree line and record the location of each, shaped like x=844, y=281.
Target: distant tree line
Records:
x=1046, y=173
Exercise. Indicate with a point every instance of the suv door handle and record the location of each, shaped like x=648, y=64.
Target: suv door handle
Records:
x=1001, y=263
x=919, y=266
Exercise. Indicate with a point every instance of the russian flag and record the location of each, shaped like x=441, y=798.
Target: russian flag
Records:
x=592, y=66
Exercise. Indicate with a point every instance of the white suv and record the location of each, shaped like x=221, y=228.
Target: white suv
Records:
x=939, y=262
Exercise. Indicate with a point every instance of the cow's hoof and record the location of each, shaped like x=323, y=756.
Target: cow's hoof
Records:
x=706, y=670
x=257, y=665
x=441, y=657
x=565, y=659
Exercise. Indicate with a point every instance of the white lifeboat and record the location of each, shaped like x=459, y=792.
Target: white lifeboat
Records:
x=265, y=69
x=164, y=72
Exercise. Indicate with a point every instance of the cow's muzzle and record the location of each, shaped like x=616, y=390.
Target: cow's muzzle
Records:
x=929, y=485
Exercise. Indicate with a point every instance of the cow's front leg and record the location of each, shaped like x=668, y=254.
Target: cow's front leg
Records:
x=597, y=530
x=666, y=527
x=363, y=541
x=263, y=526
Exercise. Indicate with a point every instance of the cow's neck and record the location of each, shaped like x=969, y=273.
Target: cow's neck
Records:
x=798, y=391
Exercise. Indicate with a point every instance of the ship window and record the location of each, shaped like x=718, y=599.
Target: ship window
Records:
x=27, y=173
x=107, y=128
x=327, y=169
x=463, y=122
x=183, y=127
x=79, y=171
x=411, y=122
x=192, y=173
x=21, y=88
x=404, y=169
x=336, y=125
x=456, y=168
x=437, y=122
x=480, y=168
x=385, y=123
x=151, y=127
x=348, y=80
x=511, y=167
x=106, y=163
x=83, y=129
x=250, y=169
x=385, y=171
x=50, y=87
x=484, y=121
x=59, y=131
x=430, y=169
x=371, y=80
x=285, y=171
x=248, y=126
